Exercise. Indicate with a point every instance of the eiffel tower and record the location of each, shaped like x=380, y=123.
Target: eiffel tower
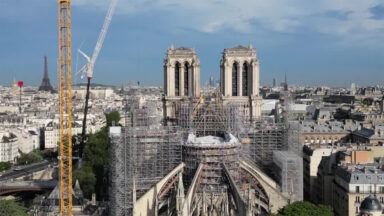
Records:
x=46, y=84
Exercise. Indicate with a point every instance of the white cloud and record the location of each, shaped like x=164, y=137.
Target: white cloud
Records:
x=350, y=19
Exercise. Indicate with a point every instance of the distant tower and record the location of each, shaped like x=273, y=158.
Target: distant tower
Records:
x=46, y=84
x=211, y=81
x=353, y=89
x=240, y=77
x=14, y=85
x=274, y=82
x=285, y=83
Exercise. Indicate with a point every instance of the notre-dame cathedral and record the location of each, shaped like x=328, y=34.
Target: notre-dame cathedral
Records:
x=239, y=79
x=211, y=153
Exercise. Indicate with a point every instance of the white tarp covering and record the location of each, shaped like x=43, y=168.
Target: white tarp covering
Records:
x=211, y=140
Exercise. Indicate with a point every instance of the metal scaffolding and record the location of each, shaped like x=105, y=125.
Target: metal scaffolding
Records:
x=207, y=119
x=294, y=137
x=261, y=139
x=289, y=173
x=139, y=115
x=211, y=152
x=140, y=156
x=144, y=151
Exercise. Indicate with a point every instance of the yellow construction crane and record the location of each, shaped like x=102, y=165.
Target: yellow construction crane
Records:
x=65, y=91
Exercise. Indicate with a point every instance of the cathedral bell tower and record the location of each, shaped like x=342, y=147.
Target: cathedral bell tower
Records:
x=181, y=78
x=240, y=78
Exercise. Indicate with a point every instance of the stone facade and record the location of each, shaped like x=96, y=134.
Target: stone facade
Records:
x=311, y=161
x=374, y=135
x=239, y=75
x=328, y=132
x=8, y=147
x=240, y=78
x=181, y=78
x=240, y=70
x=353, y=184
x=182, y=73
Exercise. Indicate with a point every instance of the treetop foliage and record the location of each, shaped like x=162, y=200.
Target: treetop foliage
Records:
x=9, y=207
x=96, y=159
x=304, y=208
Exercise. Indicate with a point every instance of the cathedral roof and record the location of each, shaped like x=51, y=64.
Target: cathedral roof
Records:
x=238, y=48
x=181, y=52
x=184, y=48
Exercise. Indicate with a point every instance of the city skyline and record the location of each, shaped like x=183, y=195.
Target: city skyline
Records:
x=329, y=43
x=203, y=108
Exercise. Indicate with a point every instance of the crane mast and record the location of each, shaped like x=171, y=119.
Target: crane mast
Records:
x=65, y=94
x=103, y=33
x=87, y=69
x=89, y=66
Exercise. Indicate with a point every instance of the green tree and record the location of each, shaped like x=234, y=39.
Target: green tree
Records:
x=304, y=208
x=49, y=155
x=112, y=117
x=9, y=207
x=5, y=166
x=96, y=149
x=87, y=180
x=96, y=159
x=32, y=157
x=96, y=155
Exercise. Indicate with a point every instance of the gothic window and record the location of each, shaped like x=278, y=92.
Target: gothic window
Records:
x=186, y=78
x=245, y=79
x=177, y=79
x=234, y=79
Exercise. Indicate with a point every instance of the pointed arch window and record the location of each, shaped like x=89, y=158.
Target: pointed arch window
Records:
x=234, y=79
x=177, y=79
x=245, y=79
x=186, y=78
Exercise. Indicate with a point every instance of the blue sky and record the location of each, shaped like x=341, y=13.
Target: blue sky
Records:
x=327, y=42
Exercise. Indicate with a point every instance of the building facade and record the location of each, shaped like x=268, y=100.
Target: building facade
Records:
x=374, y=135
x=353, y=184
x=181, y=78
x=52, y=134
x=322, y=133
x=346, y=177
x=240, y=78
x=8, y=147
x=311, y=161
